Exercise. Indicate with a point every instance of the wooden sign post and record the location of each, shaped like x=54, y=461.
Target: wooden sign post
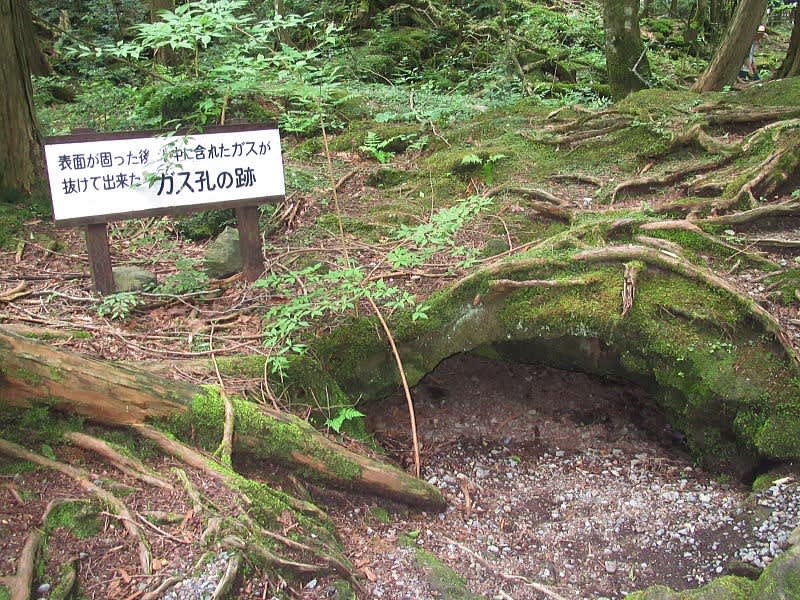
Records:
x=96, y=178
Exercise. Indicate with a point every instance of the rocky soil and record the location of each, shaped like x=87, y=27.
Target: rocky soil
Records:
x=561, y=485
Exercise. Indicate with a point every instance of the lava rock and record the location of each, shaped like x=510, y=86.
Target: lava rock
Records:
x=223, y=256
x=133, y=279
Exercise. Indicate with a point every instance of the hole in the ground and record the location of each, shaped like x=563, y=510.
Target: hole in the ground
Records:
x=564, y=479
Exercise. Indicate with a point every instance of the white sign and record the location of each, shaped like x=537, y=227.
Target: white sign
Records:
x=99, y=179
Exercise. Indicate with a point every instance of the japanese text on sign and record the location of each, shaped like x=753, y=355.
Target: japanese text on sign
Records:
x=105, y=178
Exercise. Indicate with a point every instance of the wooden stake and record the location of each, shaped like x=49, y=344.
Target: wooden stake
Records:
x=250, y=242
x=100, y=258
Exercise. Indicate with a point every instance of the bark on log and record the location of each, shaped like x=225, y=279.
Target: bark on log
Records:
x=34, y=373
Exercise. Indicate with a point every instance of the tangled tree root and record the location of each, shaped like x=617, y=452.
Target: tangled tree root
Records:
x=83, y=479
x=687, y=269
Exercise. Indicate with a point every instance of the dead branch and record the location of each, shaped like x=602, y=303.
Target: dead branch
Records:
x=127, y=465
x=225, y=449
x=84, y=480
x=406, y=389
x=507, y=576
x=632, y=269
x=14, y=293
x=687, y=269
x=776, y=243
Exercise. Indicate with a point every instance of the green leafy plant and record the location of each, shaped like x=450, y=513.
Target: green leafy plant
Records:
x=376, y=147
x=426, y=239
x=343, y=415
x=325, y=294
x=486, y=165
x=188, y=279
x=119, y=305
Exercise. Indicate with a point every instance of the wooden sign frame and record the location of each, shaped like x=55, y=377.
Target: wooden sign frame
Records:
x=263, y=173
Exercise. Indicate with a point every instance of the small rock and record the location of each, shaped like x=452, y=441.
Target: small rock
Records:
x=223, y=256
x=611, y=566
x=43, y=589
x=133, y=279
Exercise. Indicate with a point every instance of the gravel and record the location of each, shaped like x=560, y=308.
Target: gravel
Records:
x=584, y=493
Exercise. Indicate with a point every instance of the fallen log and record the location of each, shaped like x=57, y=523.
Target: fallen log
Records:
x=33, y=373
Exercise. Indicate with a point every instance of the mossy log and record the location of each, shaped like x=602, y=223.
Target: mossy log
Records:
x=33, y=373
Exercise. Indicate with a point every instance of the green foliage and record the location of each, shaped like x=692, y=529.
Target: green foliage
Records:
x=188, y=279
x=119, y=305
x=343, y=415
x=486, y=165
x=326, y=294
x=422, y=241
x=375, y=147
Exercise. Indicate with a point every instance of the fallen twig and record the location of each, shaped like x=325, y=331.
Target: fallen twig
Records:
x=406, y=389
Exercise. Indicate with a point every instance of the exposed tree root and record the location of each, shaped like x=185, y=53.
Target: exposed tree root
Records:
x=19, y=584
x=84, y=480
x=596, y=181
x=225, y=449
x=666, y=246
x=697, y=136
x=583, y=136
x=499, y=287
x=679, y=224
x=527, y=192
x=126, y=464
x=228, y=577
x=244, y=536
x=198, y=505
x=83, y=386
x=737, y=116
x=687, y=269
x=785, y=209
x=646, y=183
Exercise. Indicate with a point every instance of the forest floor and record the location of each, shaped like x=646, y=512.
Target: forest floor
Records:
x=560, y=485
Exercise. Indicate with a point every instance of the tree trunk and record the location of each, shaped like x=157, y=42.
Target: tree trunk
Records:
x=733, y=49
x=790, y=67
x=33, y=373
x=20, y=151
x=697, y=26
x=283, y=34
x=165, y=55
x=626, y=59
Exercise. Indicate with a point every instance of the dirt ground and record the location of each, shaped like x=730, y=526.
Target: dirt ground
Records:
x=560, y=485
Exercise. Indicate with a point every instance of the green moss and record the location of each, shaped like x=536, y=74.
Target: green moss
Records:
x=5, y=594
x=250, y=366
x=80, y=517
x=778, y=92
x=449, y=584
x=267, y=437
x=381, y=515
x=27, y=376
